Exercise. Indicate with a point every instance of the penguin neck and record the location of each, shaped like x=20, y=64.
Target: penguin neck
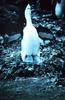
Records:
x=28, y=20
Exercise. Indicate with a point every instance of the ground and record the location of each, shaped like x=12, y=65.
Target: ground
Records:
x=21, y=81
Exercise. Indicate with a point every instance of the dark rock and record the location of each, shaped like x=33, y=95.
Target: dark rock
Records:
x=20, y=65
x=2, y=76
x=59, y=33
x=10, y=77
x=0, y=71
x=14, y=37
x=26, y=73
x=22, y=71
x=40, y=28
x=58, y=64
x=15, y=70
x=63, y=71
x=61, y=81
x=44, y=35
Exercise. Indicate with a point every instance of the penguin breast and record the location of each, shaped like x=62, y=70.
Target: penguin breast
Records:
x=30, y=40
x=58, y=10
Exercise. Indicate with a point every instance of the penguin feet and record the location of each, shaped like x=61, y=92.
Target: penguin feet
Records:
x=34, y=59
x=28, y=59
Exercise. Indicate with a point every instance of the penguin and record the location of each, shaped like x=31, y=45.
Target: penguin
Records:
x=58, y=8
x=30, y=44
x=63, y=8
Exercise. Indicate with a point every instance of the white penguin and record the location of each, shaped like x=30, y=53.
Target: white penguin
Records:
x=31, y=42
x=58, y=8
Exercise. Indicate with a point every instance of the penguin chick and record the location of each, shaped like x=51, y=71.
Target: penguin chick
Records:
x=31, y=42
x=58, y=9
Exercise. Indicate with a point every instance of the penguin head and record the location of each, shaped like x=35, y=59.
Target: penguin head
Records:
x=28, y=11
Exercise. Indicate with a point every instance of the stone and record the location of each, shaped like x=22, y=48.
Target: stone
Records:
x=1, y=48
x=47, y=36
x=14, y=37
x=1, y=40
x=47, y=42
x=6, y=38
x=62, y=38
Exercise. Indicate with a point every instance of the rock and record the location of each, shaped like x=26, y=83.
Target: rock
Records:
x=30, y=68
x=6, y=38
x=1, y=40
x=0, y=71
x=15, y=70
x=1, y=49
x=63, y=71
x=27, y=72
x=1, y=77
x=62, y=38
x=42, y=28
x=0, y=66
x=14, y=37
x=47, y=36
x=47, y=42
x=45, y=33
x=20, y=72
x=61, y=81
x=10, y=77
